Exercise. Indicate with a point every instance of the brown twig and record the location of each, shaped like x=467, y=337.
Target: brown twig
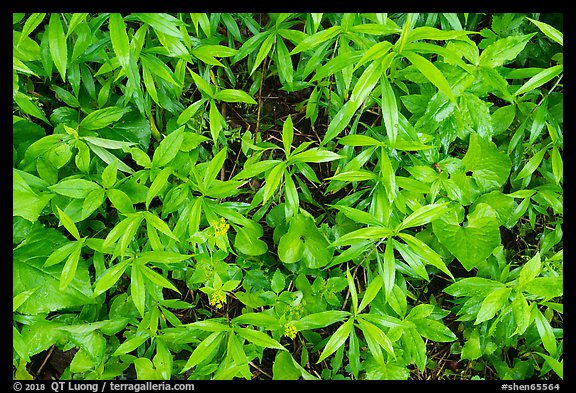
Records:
x=46, y=359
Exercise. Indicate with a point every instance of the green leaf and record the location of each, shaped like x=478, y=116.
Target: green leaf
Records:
x=359, y=140
x=215, y=121
x=550, y=32
x=214, y=167
x=521, y=313
x=434, y=330
x=28, y=273
x=68, y=224
x=168, y=148
x=473, y=286
x=31, y=23
x=162, y=22
x=157, y=278
x=339, y=122
x=530, y=270
x=492, y=304
x=373, y=332
x=259, y=319
x=539, y=79
x=315, y=155
x=247, y=241
x=58, y=47
x=131, y=344
x=489, y=166
x=503, y=50
x=389, y=110
x=431, y=73
x=26, y=203
x=110, y=277
x=427, y=254
x=119, y=39
x=554, y=364
x=120, y=200
x=320, y=319
x=233, y=95
x=473, y=242
x=284, y=63
x=258, y=338
x=159, y=182
x=70, y=267
x=202, y=84
x=287, y=135
x=532, y=164
x=28, y=106
x=263, y=51
x=415, y=347
x=371, y=292
x=472, y=348
x=545, y=287
x=352, y=291
x=424, y=214
x=273, y=180
x=365, y=84
x=545, y=331
x=372, y=233
x=337, y=339
x=159, y=224
x=102, y=118
x=557, y=165
x=75, y=188
x=357, y=215
x=316, y=39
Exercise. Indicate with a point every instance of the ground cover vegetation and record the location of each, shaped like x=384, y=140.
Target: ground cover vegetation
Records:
x=287, y=196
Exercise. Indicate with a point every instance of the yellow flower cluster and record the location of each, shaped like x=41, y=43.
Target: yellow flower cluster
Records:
x=290, y=331
x=218, y=298
x=220, y=227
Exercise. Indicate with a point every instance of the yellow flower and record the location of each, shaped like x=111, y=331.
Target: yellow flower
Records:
x=290, y=331
x=218, y=298
x=220, y=227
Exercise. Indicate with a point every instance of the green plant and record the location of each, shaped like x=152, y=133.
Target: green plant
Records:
x=288, y=196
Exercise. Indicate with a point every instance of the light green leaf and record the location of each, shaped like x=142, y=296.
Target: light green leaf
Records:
x=539, y=79
x=320, y=319
x=102, y=118
x=504, y=50
x=315, y=155
x=492, y=304
x=259, y=338
x=473, y=242
x=68, y=224
x=58, y=47
x=159, y=182
x=545, y=331
x=119, y=39
x=247, y=241
x=489, y=165
x=27, y=203
x=75, y=188
x=370, y=293
x=263, y=51
x=110, y=277
x=287, y=135
x=424, y=215
x=431, y=73
x=550, y=32
x=70, y=267
x=313, y=41
x=168, y=148
x=233, y=95
x=337, y=339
